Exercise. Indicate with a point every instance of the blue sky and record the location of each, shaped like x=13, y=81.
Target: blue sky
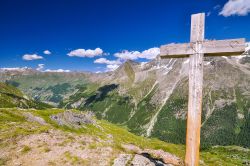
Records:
x=77, y=33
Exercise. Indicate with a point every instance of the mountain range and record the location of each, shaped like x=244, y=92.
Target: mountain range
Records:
x=150, y=99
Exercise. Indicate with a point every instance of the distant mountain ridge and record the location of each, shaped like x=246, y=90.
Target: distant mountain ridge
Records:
x=11, y=97
x=151, y=98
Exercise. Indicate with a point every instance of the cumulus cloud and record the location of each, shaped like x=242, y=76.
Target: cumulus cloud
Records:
x=30, y=57
x=40, y=67
x=57, y=70
x=150, y=53
x=108, y=62
x=86, y=53
x=128, y=55
x=125, y=55
x=98, y=72
x=112, y=67
x=236, y=7
x=133, y=55
x=47, y=52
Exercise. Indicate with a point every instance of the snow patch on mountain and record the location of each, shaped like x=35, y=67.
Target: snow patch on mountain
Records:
x=57, y=71
x=15, y=69
x=169, y=66
x=248, y=48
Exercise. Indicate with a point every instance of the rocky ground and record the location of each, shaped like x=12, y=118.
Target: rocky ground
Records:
x=51, y=146
x=58, y=137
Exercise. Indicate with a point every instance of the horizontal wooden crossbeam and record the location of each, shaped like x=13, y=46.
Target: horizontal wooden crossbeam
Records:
x=209, y=48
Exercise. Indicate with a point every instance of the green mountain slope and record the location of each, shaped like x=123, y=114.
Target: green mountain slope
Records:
x=226, y=103
x=47, y=87
x=151, y=98
x=12, y=97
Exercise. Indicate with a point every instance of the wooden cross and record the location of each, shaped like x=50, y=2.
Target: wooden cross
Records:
x=196, y=49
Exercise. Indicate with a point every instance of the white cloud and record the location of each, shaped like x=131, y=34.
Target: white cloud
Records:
x=57, y=71
x=150, y=53
x=236, y=7
x=40, y=67
x=133, y=55
x=128, y=55
x=30, y=57
x=108, y=62
x=98, y=72
x=47, y=52
x=112, y=67
x=125, y=55
x=86, y=53
x=208, y=14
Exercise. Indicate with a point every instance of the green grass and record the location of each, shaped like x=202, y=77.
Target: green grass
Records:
x=46, y=149
x=3, y=161
x=4, y=88
x=13, y=125
x=229, y=155
x=11, y=97
x=74, y=159
x=122, y=136
x=88, y=130
x=25, y=149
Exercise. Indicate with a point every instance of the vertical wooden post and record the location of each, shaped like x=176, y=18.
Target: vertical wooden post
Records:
x=198, y=48
x=195, y=91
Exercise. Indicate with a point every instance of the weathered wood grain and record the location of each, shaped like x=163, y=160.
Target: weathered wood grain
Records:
x=224, y=47
x=209, y=47
x=197, y=49
x=195, y=91
x=176, y=50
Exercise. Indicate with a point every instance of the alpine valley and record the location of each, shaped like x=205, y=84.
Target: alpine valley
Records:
x=148, y=99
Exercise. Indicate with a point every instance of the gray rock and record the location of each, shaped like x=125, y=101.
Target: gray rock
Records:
x=144, y=160
x=74, y=119
x=122, y=160
x=159, y=157
x=140, y=160
x=32, y=118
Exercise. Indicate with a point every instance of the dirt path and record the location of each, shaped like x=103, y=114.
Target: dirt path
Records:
x=58, y=148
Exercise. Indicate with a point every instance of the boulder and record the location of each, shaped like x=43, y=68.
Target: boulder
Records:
x=166, y=157
x=32, y=118
x=74, y=119
x=140, y=160
x=157, y=156
x=122, y=160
